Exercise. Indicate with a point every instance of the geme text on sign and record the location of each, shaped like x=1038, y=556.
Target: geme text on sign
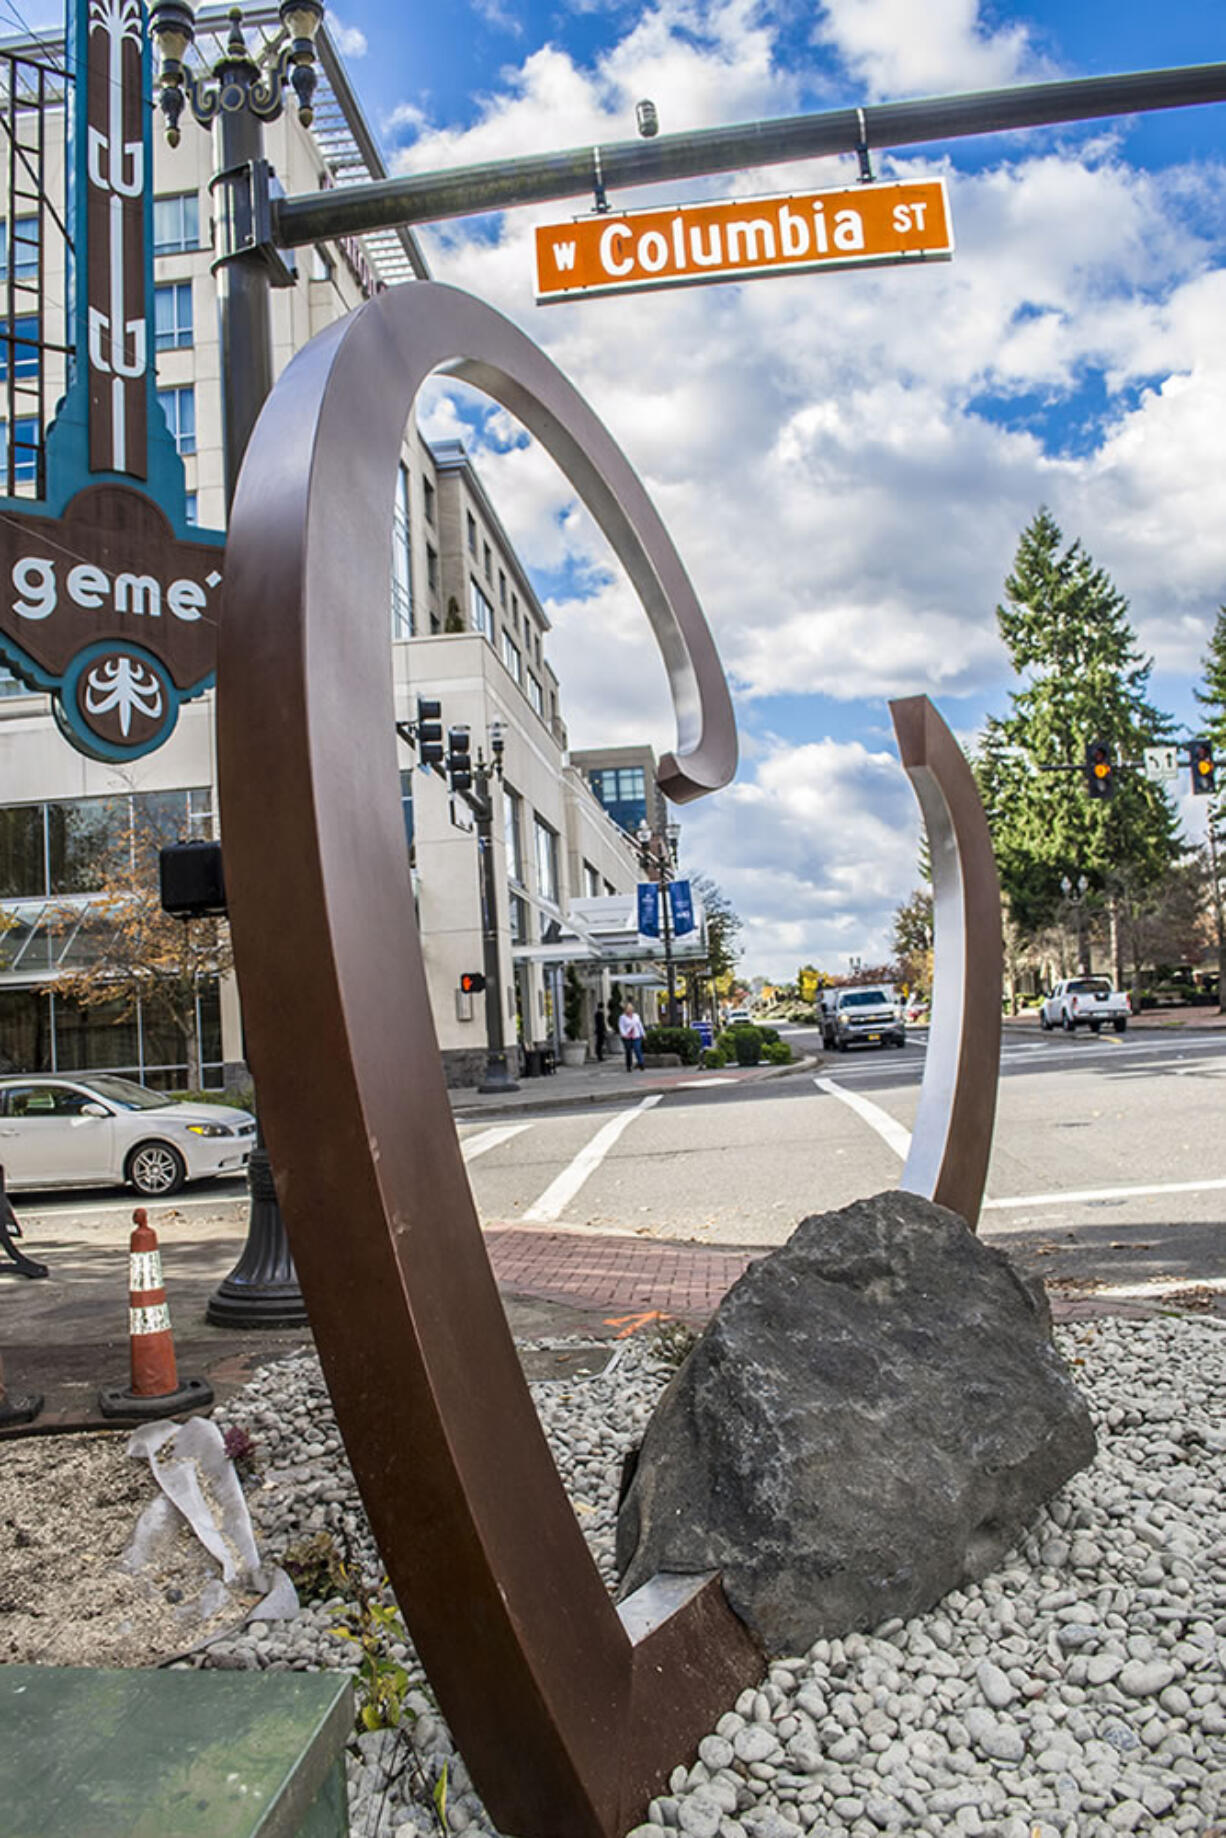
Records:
x=744, y=238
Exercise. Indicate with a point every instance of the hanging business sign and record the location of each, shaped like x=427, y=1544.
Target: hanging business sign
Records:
x=108, y=597
x=682, y=903
x=744, y=239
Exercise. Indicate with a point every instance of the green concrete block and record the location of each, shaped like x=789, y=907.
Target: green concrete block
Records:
x=150, y=1754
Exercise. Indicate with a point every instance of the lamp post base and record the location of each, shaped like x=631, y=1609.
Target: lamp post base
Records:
x=262, y=1289
x=497, y=1076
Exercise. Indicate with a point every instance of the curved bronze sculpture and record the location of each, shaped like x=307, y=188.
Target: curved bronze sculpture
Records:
x=569, y=1711
x=952, y=1139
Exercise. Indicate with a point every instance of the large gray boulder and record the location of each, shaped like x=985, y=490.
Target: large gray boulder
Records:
x=873, y=1414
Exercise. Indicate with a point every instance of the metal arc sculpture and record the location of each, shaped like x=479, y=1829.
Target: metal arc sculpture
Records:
x=952, y=1139
x=569, y=1711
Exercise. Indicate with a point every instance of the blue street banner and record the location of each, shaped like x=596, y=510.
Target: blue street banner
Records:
x=683, y=908
x=649, y=909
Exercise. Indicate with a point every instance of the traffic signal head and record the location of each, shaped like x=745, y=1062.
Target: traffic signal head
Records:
x=472, y=983
x=1100, y=775
x=429, y=731
x=1204, y=768
x=459, y=759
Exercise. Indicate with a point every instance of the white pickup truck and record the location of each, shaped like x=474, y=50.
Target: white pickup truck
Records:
x=869, y=1016
x=1085, y=1001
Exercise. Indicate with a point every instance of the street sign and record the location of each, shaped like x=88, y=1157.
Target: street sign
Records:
x=742, y=239
x=1161, y=764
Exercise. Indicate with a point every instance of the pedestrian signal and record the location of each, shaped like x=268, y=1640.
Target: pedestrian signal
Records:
x=459, y=759
x=429, y=731
x=1204, y=768
x=1100, y=775
x=472, y=983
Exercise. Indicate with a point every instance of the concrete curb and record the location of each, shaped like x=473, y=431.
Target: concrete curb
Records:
x=466, y=1110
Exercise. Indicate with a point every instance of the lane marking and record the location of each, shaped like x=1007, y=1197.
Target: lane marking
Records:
x=555, y=1197
x=472, y=1146
x=892, y=1132
x=1081, y=1196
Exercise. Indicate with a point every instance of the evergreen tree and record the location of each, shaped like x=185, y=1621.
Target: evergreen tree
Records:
x=1083, y=680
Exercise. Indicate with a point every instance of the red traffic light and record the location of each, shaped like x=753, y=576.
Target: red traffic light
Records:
x=472, y=983
x=1204, y=768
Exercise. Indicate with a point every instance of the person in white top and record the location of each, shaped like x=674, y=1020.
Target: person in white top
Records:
x=630, y=1027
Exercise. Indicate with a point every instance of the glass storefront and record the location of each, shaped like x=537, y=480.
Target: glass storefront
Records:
x=43, y=1032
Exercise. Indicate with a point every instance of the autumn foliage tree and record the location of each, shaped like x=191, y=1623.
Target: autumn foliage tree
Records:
x=140, y=956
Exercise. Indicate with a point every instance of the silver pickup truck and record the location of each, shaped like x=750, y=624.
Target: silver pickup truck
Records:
x=871, y=1017
x=1085, y=1001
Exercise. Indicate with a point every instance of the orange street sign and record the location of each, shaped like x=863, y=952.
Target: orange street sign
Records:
x=743, y=238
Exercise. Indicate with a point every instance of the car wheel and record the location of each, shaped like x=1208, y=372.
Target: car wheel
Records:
x=1120, y=1024
x=1067, y=1023
x=155, y=1169
x=1044, y=1023
x=840, y=1045
x=1095, y=1027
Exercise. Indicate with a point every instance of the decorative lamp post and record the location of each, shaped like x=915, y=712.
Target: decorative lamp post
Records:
x=1075, y=896
x=658, y=854
x=235, y=100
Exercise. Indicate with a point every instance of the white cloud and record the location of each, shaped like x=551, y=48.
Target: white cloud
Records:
x=350, y=41
x=897, y=49
x=823, y=448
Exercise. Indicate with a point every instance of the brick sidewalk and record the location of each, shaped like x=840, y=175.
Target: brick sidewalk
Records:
x=623, y=1275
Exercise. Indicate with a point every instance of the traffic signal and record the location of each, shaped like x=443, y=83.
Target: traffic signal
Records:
x=459, y=759
x=429, y=731
x=1100, y=777
x=1204, y=771
x=472, y=983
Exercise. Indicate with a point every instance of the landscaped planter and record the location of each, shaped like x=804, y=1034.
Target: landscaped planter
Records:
x=574, y=1052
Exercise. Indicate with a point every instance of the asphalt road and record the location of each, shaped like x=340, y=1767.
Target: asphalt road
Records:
x=1108, y=1176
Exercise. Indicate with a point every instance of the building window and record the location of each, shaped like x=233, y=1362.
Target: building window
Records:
x=512, y=807
x=406, y=806
x=623, y=792
x=512, y=659
x=179, y=408
x=489, y=563
x=192, y=514
x=534, y=695
x=518, y=912
x=25, y=451
x=402, y=559
x=176, y=223
x=502, y=590
x=70, y=847
x=546, y=860
x=172, y=316
x=431, y=568
x=25, y=348
x=481, y=613
x=25, y=249
x=515, y=611
x=472, y=535
x=428, y=493
x=591, y=881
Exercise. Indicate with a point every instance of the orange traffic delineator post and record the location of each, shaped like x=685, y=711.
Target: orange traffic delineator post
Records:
x=16, y=1408
x=155, y=1390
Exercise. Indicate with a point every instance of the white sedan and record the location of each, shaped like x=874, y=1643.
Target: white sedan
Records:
x=89, y=1131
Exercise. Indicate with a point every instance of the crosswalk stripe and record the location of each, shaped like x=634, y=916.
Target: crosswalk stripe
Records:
x=890, y=1131
x=472, y=1146
x=567, y=1184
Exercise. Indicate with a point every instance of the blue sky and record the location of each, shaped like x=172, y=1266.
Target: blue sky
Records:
x=846, y=460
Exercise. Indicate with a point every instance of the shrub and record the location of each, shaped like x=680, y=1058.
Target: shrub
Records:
x=713, y=1058
x=777, y=1053
x=770, y=1035
x=572, y=1005
x=683, y=1041
x=747, y=1045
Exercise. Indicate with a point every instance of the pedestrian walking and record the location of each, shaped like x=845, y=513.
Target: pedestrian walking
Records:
x=602, y=1031
x=631, y=1029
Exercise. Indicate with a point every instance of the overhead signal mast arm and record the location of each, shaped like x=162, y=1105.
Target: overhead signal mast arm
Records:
x=498, y=185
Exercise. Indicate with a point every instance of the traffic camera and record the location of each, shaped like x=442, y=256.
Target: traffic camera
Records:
x=1204, y=768
x=1100, y=778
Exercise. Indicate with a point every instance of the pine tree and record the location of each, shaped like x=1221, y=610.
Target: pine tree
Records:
x=1083, y=680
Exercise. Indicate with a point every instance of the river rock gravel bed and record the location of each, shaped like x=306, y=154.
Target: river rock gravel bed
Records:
x=1078, y=1691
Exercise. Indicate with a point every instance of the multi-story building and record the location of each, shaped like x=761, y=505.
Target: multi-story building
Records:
x=465, y=628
